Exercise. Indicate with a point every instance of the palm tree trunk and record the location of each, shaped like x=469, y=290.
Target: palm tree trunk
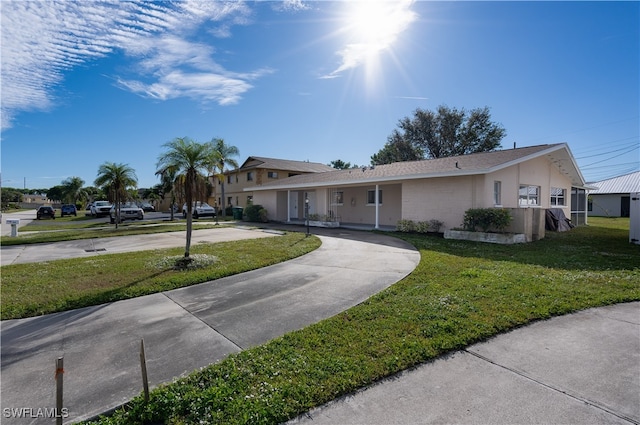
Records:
x=173, y=201
x=223, y=201
x=189, y=229
x=117, y=208
x=189, y=197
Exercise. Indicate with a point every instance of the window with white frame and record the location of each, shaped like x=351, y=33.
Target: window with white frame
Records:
x=497, y=192
x=338, y=197
x=529, y=196
x=249, y=176
x=371, y=197
x=272, y=174
x=558, y=196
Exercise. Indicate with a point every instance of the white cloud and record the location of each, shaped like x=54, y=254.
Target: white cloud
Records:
x=41, y=40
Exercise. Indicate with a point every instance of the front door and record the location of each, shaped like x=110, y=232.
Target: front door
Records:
x=293, y=205
x=625, y=206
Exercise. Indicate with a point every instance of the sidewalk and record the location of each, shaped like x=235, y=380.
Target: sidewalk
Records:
x=582, y=368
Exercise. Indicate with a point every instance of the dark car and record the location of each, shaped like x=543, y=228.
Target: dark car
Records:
x=146, y=207
x=45, y=212
x=68, y=209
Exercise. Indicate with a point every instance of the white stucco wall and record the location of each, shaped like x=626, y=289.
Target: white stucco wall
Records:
x=606, y=205
x=268, y=200
x=444, y=199
x=355, y=208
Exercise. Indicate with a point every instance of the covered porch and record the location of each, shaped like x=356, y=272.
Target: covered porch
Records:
x=376, y=206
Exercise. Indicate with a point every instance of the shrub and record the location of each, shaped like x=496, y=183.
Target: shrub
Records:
x=501, y=219
x=255, y=213
x=406, y=226
x=435, y=225
x=486, y=218
x=422, y=227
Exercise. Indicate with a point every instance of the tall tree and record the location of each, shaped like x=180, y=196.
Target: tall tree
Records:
x=397, y=149
x=189, y=159
x=56, y=193
x=116, y=179
x=221, y=157
x=9, y=196
x=339, y=164
x=73, y=190
x=446, y=132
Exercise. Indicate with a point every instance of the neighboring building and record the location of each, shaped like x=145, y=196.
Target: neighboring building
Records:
x=612, y=196
x=255, y=172
x=526, y=180
x=36, y=201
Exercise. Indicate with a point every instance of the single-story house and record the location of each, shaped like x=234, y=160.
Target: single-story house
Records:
x=526, y=180
x=612, y=196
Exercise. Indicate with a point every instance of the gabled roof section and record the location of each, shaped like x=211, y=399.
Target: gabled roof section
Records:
x=285, y=164
x=626, y=183
x=473, y=164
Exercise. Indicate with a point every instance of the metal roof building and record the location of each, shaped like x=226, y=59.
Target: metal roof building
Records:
x=612, y=196
x=622, y=184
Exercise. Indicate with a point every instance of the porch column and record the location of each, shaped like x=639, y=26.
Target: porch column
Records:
x=377, y=226
x=288, y=206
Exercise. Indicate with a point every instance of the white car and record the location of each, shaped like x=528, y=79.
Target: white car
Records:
x=200, y=209
x=128, y=211
x=100, y=208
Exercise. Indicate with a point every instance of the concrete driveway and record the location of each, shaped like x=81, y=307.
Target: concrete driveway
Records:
x=188, y=328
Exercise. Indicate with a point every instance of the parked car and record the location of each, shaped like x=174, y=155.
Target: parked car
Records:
x=200, y=209
x=68, y=209
x=128, y=211
x=43, y=212
x=146, y=207
x=100, y=208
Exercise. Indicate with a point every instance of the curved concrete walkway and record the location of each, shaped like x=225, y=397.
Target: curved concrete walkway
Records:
x=188, y=328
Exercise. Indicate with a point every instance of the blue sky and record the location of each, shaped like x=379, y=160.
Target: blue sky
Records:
x=88, y=82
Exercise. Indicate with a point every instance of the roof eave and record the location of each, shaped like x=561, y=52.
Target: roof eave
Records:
x=364, y=181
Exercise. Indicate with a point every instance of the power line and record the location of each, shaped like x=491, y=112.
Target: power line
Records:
x=626, y=146
x=616, y=156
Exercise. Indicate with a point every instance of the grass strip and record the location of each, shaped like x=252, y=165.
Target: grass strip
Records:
x=40, y=288
x=460, y=293
x=69, y=233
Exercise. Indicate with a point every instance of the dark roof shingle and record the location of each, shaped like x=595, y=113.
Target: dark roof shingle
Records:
x=478, y=163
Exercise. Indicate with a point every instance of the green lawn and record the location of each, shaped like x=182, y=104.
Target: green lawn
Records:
x=460, y=293
x=40, y=288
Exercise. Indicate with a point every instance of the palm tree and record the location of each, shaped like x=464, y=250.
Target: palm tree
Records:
x=221, y=156
x=73, y=190
x=167, y=180
x=116, y=178
x=188, y=159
